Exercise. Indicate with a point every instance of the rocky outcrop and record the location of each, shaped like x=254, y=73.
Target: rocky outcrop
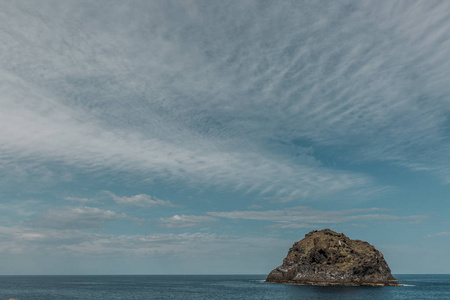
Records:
x=326, y=257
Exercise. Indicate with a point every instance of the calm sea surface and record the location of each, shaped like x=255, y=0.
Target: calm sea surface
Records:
x=208, y=287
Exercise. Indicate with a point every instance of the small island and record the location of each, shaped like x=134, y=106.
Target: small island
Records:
x=326, y=257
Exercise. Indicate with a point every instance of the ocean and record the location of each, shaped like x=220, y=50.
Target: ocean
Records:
x=208, y=287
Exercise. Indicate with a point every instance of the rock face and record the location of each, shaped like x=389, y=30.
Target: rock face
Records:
x=326, y=257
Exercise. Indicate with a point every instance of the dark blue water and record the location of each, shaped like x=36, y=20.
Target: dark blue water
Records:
x=208, y=287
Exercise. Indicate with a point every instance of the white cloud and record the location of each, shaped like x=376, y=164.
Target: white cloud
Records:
x=285, y=103
x=185, y=221
x=76, y=218
x=305, y=217
x=17, y=209
x=141, y=200
x=82, y=200
x=56, y=109
x=75, y=242
x=293, y=226
x=445, y=233
x=207, y=98
x=67, y=136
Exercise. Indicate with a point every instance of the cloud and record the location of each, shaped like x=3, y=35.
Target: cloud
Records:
x=75, y=242
x=184, y=221
x=293, y=226
x=76, y=218
x=81, y=200
x=68, y=137
x=141, y=200
x=216, y=101
x=19, y=209
x=305, y=217
x=74, y=107
x=445, y=233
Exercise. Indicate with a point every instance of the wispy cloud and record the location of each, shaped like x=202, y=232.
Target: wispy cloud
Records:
x=83, y=217
x=81, y=200
x=67, y=136
x=283, y=101
x=445, y=233
x=141, y=200
x=198, y=131
x=348, y=89
x=305, y=217
x=185, y=221
x=75, y=242
x=19, y=209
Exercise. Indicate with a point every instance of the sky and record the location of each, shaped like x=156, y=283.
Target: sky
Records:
x=206, y=137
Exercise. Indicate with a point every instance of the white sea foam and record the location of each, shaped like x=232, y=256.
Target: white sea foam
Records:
x=407, y=284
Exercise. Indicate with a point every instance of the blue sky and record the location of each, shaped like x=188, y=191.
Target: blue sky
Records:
x=188, y=137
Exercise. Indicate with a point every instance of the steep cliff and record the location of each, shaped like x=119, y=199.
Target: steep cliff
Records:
x=328, y=258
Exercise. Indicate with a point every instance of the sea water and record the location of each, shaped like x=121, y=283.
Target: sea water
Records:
x=208, y=287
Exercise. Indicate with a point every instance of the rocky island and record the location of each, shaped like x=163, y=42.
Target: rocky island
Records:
x=326, y=257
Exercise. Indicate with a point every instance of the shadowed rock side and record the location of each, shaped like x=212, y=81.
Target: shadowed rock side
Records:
x=326, y=257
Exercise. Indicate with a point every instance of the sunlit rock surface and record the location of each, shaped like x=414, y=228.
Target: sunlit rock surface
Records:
x=326, y=257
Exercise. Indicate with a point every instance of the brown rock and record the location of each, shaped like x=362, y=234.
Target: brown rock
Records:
x=326, y=257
